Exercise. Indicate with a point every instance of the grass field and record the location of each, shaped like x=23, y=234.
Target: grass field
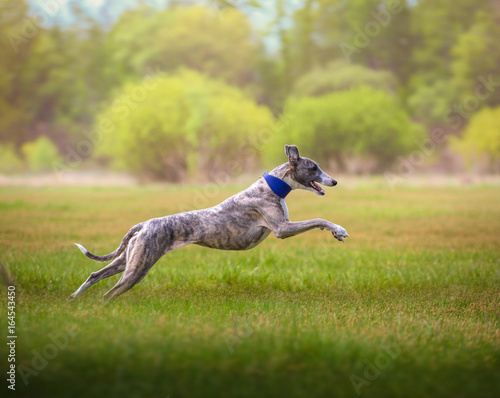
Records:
x=409, y=306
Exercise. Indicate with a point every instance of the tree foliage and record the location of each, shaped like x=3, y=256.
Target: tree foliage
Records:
x=324, y=27
x=14, y=98
x=363, y=122
x=481, y=139
x=183, y=123
x=431, y=104
x=56, y=78
x=10, y=162
x=476, y=54
x=51, y=79
x=437, y=26
x=339, y=76
x=40, y=154
x=197, y=38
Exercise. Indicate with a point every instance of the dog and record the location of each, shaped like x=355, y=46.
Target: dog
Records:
x=240, y=222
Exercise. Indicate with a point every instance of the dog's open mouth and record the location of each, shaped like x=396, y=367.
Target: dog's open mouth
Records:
x=317, y=188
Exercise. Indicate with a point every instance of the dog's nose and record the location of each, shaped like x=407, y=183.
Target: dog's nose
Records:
x=334, y=182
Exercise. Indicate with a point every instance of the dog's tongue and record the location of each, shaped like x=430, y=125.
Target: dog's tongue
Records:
x=318, y=188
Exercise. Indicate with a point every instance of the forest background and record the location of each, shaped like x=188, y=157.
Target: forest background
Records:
x=185, y=90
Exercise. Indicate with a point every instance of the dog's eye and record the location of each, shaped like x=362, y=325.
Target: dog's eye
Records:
x=314, y=168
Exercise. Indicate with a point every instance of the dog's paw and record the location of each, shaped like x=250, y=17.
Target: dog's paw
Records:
x=339, y=233
x=73, y=297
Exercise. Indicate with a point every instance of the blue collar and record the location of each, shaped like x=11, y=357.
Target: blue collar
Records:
x=277, y=185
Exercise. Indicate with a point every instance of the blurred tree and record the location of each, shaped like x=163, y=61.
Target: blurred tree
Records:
x=369, y=32
x=456, y=46
x=127, y=37
x=431, y=104
x=55, y=69
x=476, y=57
x=304, y=20
x=392, y=48
x=363, y=122
x=196, y=37
x=183, y=123
x=14, y=47
x=339, y=76
x=481, y=139
x=47, y=86
x=436, y=55
x=276, y=70
x=10, y=162
x=41, y=154
x=436, y=26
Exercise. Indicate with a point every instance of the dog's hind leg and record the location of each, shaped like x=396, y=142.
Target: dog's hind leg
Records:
x=139, y=262
x=115, y=267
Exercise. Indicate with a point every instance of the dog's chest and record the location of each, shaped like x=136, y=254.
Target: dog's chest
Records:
x=285, y=209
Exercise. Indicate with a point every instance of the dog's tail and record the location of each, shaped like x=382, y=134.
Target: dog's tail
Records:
x=118, y=251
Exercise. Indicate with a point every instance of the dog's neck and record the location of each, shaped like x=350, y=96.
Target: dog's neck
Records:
x=284, y=172
x=281, y=171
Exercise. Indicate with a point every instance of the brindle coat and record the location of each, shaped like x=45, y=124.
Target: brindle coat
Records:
x=241, y=222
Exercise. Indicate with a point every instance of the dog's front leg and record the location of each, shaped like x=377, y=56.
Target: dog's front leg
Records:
x=276, y=219
x=288, y=228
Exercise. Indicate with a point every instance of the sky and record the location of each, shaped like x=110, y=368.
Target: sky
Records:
x=107, y=11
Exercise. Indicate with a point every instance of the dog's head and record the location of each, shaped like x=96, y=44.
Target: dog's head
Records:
x=305, y=173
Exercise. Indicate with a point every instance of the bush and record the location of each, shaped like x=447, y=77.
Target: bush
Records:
x=9, y=161
x=431, y=104
x=362, y=123
x=481, y=139
x=40, y=154
x=340, y=76
x=184, y=123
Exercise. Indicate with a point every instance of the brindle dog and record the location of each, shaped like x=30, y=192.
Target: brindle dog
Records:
x=241, y=222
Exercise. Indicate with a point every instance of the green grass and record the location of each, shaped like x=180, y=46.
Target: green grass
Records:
x=409, y=306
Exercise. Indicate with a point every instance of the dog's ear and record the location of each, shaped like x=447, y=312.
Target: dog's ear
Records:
x=293, y=154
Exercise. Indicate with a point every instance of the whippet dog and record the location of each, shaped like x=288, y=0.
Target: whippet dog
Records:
x=239, y=223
